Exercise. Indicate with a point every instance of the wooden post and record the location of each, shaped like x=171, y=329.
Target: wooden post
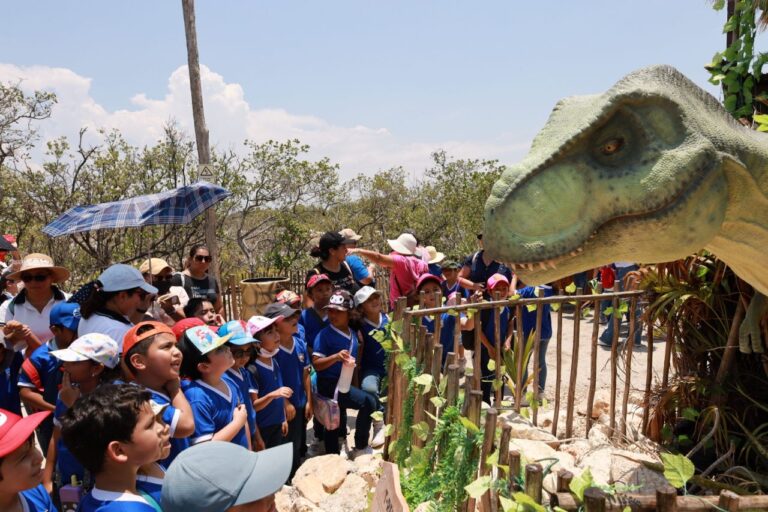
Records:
x=393, y=372
x=729, y=501
x=536, y=369
x=420, y=407
x=452, y=389
x=450, y=359
x=497, y=393
x=628, y=364
x=475, y=406
x=574, y=370
x=477, y=372
x=593, y=367
x=519, y=355
x=506, y=434
x=233, y=298
x=648, y=377
x=438, y=295
x=559, y=358
x=437, y=362
x=670, y=343
x=594, y=500
x=615, y=316
x=564, y=478
x=666, y=498
x=487, y=448
x=514, y=470
x=534, y=478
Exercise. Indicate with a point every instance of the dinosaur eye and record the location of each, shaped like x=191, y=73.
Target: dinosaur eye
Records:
x=612, y=146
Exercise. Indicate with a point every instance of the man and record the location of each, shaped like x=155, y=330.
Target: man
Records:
x=478, y=268
x=168, y=306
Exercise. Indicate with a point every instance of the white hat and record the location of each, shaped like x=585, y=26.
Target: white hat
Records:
x=404, y=244
x=365, y=293
x=434, y=255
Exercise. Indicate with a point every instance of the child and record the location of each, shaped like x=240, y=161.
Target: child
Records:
x=204, y=310
x=314, y=318
x=21, y=464
x=10, y=364
x=294, y=301
x=496, y=284
x=293, y=361
x=113, y=432
x=40, y=375
x=241, y=346
x=271, y=414
x=335, y=345
x=373, y=358
x=151, y=356
x=91, y=360
x=219, y=413
x=150, y=477
x=451, y=284
x=529, y=327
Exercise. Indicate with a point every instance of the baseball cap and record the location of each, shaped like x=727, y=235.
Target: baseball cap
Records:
x=427, y=277
x=65, y=314
x=288, y=297
x=365, y=293
x=340, y=300
x=217, y=475
x=236, y=328
x=155, y=265
x=495, y=279
x=131, y=337
x=350, y=235
x=15, y=430
x=451, y=264
x=121, y=277
x=184, y=324
x=93, y=346
x=279, y=309
x=205, y=339
x=317, y=279
x=258, y=323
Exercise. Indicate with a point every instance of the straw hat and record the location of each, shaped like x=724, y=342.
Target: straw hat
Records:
x=37, y=261
x=434, y=255
x=404, y=244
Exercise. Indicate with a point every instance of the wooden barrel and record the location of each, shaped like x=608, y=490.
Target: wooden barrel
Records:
x=256, y=293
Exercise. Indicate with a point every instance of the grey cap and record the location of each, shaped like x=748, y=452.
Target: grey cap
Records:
x=276, y=309
x=216, y=475
x=121, y=277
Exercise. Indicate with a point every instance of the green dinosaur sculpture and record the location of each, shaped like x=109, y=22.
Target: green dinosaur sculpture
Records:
x=652, y=170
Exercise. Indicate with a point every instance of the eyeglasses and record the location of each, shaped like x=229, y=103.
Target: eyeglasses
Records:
x=141, y=293
x=240, y=352
x=37, y=277
x=201, y=258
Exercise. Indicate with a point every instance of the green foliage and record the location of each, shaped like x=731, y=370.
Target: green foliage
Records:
x=678, y=469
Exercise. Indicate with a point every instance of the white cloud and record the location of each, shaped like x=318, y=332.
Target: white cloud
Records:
x=231, y=120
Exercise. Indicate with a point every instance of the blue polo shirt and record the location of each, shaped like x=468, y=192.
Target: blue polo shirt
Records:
x=213, y=410
x=489, y=324
x=171, y=416
x=312, y=322
x=529, y=317
x=36, y=500
x=330, y=341
x=479, y=272
x=359, y=270
x=269, y=378
x=243, y=381
x=42, y=372
x=374, y=357
x=151, y=485
x=66, y=463
x=9, y=381
x=447, y=331
x=292, y=364
x=107, y=501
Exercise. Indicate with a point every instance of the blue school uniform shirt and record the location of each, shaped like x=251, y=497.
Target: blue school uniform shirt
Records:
x=43, y=372
x=448, y=290
x=313, y=324
x=479, y=272
x=374, y=358
x=66, y=463
x=435, y=269
x=292, y=364
x=9, y=381
x=107, y=501
x=358, y=268
x=151, y=485
x=529, y=317
x=268, y=379
x=243, y=381
x=213, y=410
x=171, y=416
x=36, y=500
x=447, y=331
x=329, y=341
x=488, y=320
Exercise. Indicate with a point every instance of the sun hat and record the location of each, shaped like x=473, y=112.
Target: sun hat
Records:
x=317, y=279
x=427, y=277
x=131, y=337
x=205, y=339
x=340, y=300
x=288, y=297
x=236, y=329
x=350, y=235
x=365, y=293
x=258, y=323
x=65, y=314
x=15, y=430
x=38, y=261
x=154, y=265
x=434, y=255
x=495, y=279
x=121, y=277
x=93, y=346
x=404, y=244
x=279, y=309
x=217, y=475
x=184, y=324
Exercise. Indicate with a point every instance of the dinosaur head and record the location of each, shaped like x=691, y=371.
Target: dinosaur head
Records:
x=630, y=175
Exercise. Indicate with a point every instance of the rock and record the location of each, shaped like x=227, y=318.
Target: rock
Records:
x=285, y=497
x=310, y=488
x=368, y=467
x=304, y=505
x=352, y=496
x=534, y=451
x=329, y=470
x=601, y=404
x=599, y=463
x=423, y=507
x=599, y=435
x=522, y=428
x=631, y=472
x=546, y=418
x=576, y=449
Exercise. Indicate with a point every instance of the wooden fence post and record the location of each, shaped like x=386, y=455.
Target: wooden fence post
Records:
x=594, y=500
x=534, y=478
x=615, y=315
x=559, y=359
x=489, y=434
x=628, y=364
x=574, y=369
x=514, y=470
x=592, y=367
x=452, y=389
x=666, y=498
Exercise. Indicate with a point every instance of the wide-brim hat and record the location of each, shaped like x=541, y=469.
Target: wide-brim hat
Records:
x=435, y=256
x=38, y=261
x=404, y=244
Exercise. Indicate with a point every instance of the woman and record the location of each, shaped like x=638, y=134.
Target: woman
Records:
x=32, y=306
x=332, y=251
x=197, y=281
x=118, y=293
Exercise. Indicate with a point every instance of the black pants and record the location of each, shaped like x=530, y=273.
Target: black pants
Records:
x=296, y=427
x=356, y=398
x=272, y=435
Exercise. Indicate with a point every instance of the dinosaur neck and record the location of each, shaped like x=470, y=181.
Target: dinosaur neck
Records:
x=743, y=238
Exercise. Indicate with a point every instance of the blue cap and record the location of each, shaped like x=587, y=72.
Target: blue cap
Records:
x=123, y=277
x=236, y=329
x=65, y=314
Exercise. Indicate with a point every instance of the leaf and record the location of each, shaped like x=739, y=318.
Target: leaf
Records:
x=581, y=483
x=678, y=469
x=388, y=428
x=627, y=509
x=421, y=430
x=425, y=379
x=491, y=365
x=378, y=335
x=608, y=311
x=471, y=312
x=718, y=5
x=524, y=413
x=453, y=312
x=571, y=288
x=383, y=399
x=468, y=424
x=515, y=296
x=690, y=413
x=437, y=401
x=527, y=502
x=536, y=291
x=477, y=488
x=555, y=307
x=497, y=384
x=623, y=307
x=531, y=307
x=377, y=416
x=402, y=359
x=558, y=509
x=493, y=458
x=507, y=505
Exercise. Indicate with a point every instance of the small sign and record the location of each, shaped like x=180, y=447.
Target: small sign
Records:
x=205, y=171
x=388, y=496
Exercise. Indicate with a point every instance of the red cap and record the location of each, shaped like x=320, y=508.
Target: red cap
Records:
x=15, y=430
x=317, y=279
x=288, y=297
x=131, y=338
x=427, y=277
x=182, y=325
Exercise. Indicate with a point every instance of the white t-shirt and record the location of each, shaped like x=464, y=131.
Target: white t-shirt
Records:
x=104, y=325
x=38, y=321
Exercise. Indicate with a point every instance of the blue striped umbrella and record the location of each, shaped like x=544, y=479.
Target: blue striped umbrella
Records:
x=177, y=206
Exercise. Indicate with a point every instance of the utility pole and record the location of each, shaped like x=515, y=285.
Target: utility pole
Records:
x=201, y=130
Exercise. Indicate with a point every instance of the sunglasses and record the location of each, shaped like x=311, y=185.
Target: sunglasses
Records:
x=37, y=277
x=141, y=293
x=206, y=259
x=240, y=352
x=160, y=279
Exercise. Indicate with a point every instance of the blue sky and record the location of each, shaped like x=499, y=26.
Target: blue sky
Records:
x=369, y=84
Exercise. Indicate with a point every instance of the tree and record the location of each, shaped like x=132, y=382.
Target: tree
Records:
x=18, y=113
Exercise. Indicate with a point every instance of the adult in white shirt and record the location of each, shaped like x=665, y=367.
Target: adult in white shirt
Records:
x=32, y=306
x=119, y=292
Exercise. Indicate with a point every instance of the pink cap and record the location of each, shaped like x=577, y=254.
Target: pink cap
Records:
x=495, y=279
x=317, y=279
x=423, y=278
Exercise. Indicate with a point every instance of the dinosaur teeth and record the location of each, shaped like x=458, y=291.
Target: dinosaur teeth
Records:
x=552, y=265
x=542, y=266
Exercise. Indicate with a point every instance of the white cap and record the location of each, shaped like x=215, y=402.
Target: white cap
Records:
x=365, y=293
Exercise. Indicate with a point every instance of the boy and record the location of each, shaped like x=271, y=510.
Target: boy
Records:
x=496, y=284
x=293, y=360
x=112, y=432
x=314, y=318
x=204, y=310
x=451, y=284
x=529, y=327
x=271, y=414
x=150, y=355
x=10, y=365
x=40, y=375
x=21, y=464
x=216, y=405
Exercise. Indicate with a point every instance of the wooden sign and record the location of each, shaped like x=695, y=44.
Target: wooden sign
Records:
x=388, y=496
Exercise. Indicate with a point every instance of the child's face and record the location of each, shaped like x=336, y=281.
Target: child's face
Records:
x=372, y=307
x=241, y=354
x=288, y=326
x=163, y=358
x=64, y=337
x=21, y=469
x=502, y=289
x=450, y=274
x=219, y=361
x=269, y=338
x=206, y=313
x=149, y=440
x=81, y=372
x=321, y=294
x=339, y=319
x=429, y=288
